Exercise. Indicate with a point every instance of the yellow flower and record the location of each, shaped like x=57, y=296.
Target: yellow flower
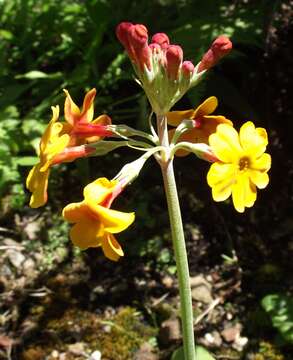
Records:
x=242, y=166
x=52, y=143
x=94, y=221
x=80, y=123
x=205, y=124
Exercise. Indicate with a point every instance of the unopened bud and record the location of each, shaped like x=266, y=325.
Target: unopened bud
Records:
x=220, y=47
x=72, y=153
x=187, y=69
x=174, y=56
x=161, y=39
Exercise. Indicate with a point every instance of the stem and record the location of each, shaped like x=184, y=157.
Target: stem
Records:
x=178, y=242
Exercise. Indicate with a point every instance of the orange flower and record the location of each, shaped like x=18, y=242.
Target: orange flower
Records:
x=80, y=124
x=204, y=123
x=94, y=221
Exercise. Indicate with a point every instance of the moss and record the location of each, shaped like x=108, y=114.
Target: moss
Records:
x=268, y=351
x=117, y=336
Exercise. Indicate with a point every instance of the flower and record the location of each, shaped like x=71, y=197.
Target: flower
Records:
x=94, y=221
x=80, y=124
x=52, y=143
x=242, y=166
x=204, y=123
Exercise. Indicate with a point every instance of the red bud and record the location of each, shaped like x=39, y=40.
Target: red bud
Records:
x=161, y=39
x=174, y=56
x=187, y=69
x=220, y=47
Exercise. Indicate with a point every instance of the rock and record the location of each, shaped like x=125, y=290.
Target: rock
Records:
x=240, y=343
x=32, y=230
x=230, y=334
x=55, y=354
x=145, y=352
x=201, y=290
x=76, y=349
x=170, y=331
x=213, y=339
x=96, y=355
x=15, y=257
x=168, y=281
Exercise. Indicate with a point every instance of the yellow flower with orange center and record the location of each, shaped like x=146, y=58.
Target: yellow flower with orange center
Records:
x=94, y=221
x=52, y=143
x=205, y=124
x=242, y=166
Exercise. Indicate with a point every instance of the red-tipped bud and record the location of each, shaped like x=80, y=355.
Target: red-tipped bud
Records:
x=122, y=32
x=155, y=48
x=138, y=35
x=88, y=130
x=72, y=153
x=220, y=47
x=174, y=56
x=187, y=69
x=161, y=39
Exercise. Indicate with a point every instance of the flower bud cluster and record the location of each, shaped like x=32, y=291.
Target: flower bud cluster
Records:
x=159, y=65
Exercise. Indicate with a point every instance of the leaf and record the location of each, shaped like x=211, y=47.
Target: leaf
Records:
x=36, y=74
x=280, y=309
x=27, y=160
x=200, y=354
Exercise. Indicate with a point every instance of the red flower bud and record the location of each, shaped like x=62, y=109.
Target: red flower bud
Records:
x=187, y=69
x=174, y=56
x=161, y=39
x=220, y=47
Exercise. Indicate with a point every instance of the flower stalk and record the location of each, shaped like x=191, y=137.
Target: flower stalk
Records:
x=178, y=240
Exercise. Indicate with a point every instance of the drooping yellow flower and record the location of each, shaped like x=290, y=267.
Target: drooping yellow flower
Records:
x=80, y=124
x=242, y=166
x=52, y=143
x=205, y=124
x=94, y=221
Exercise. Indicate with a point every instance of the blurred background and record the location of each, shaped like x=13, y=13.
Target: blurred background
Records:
x=59, y=303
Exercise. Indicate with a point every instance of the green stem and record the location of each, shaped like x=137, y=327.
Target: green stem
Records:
x=178, y=242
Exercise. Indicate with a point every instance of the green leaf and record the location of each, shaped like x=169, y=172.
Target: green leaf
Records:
x=27, y=160
x=36, y=74
x=200, y=354
x=280, y=309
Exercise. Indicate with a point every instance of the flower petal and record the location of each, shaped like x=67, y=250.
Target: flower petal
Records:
x=225, y=143
x=76, y=212
x=207, y=107
x=111, y=248
x=243, y=193
x=262, y=164
x=37, y=183
x=220, y=178
x=71, y=110
x=260, y=179
x=87, y=113
x=253, y=140
x=86, y=233
x=114, y=221
x=174, y=118
x=97, y=191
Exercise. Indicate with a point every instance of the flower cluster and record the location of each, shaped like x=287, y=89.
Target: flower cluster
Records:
x=66, y=141
x=159, y=65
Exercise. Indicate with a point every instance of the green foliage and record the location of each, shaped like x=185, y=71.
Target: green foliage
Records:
x=280, y=309
x=201, y=354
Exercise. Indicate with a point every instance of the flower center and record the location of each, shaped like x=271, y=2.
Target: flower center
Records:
x=244, y=163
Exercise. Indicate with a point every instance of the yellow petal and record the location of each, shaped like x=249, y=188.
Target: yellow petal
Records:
x=76, y=212
x=220, y=178
x=174, y=118
x=71, y=110
x=37, y=183
x=207, y=107
x=98, y=190
x=243, y=193
x=253, y=140
x=225, y=144
x=86, y=233
x=262, y=164
x=114, y=221
x=50, y=129
x=87, y=113
x=260, y=179
x=111, y=247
